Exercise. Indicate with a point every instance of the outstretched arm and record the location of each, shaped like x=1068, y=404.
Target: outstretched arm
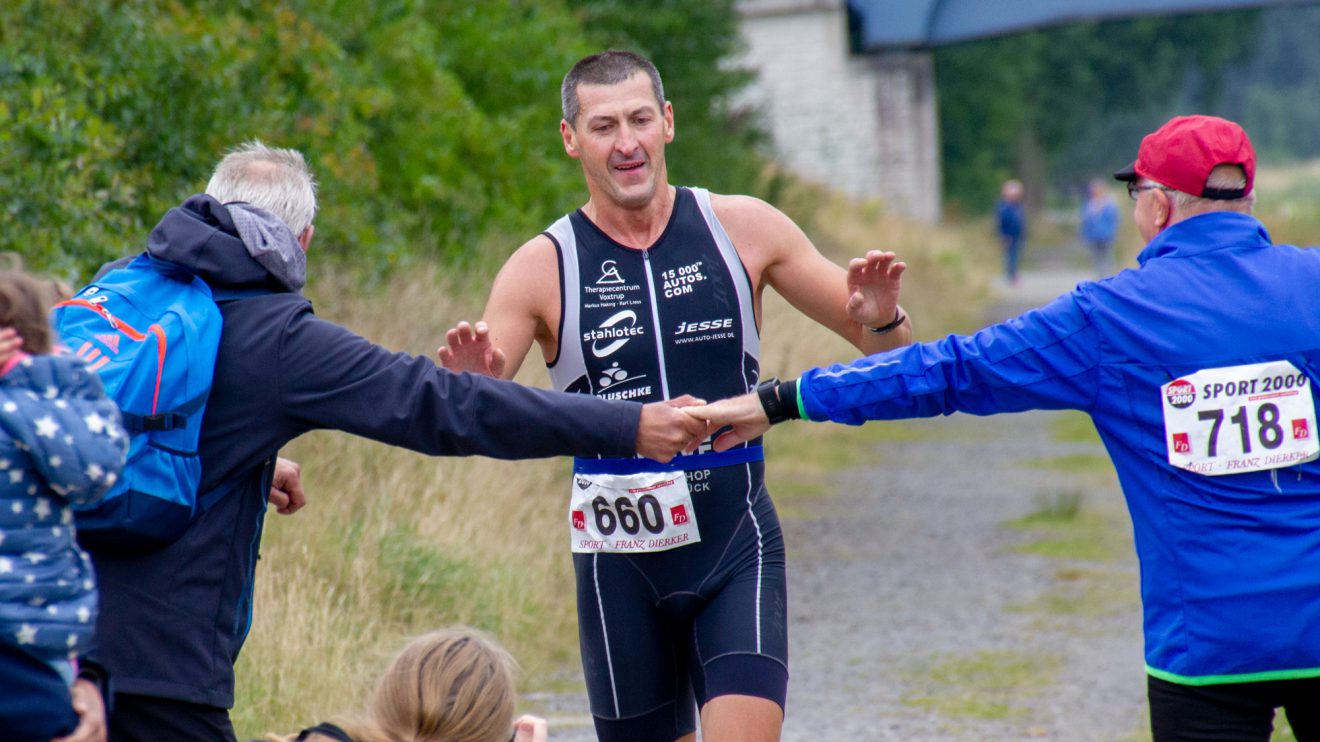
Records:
x=523, y=307
x=1047, y=358
x=777, y=253
x=468, y=348
x=874, y=283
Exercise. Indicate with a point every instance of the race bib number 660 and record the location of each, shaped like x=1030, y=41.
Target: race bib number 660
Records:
x=631, y=513
x=1240, y=419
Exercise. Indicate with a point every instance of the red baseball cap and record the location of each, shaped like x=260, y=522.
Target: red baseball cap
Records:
x=1182, y=153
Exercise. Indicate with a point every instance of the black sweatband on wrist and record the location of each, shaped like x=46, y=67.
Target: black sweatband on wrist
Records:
x=788, y=396
x=899, y=318
x=778, y=399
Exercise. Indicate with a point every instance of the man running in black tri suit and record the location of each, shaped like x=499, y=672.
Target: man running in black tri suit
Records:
x=680, y=566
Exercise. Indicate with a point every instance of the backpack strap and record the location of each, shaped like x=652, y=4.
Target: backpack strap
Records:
x=327, y=729
x=147, y=423
x=176, y=418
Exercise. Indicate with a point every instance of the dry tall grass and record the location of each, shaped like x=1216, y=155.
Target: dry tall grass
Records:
x=393, y=543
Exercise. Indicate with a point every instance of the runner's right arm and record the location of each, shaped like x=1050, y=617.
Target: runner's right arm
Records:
x=523, y=307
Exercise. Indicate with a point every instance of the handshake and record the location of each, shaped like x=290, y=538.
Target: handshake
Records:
x=680, y=425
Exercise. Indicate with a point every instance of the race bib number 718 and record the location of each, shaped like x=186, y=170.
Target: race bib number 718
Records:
x=1240, y=419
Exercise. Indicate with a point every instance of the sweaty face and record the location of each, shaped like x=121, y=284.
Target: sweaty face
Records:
x=620, y=139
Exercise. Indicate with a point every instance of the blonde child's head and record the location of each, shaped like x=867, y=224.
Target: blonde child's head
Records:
x=450, y=685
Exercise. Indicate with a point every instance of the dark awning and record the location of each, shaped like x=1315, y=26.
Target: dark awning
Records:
x=888, y=24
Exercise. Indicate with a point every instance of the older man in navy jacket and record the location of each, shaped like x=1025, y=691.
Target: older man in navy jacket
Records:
x=173, y=620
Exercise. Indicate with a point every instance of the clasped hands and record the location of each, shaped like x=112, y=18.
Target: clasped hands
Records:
x=679, y=425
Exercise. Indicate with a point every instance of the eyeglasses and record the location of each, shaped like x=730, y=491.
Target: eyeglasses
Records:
x=1134, y=190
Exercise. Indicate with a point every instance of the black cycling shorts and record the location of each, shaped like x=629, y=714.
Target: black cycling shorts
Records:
x=664, y=632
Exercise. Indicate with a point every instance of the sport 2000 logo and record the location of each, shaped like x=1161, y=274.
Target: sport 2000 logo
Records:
x=1181, y=394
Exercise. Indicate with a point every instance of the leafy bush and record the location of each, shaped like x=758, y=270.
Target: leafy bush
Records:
x=432, y=125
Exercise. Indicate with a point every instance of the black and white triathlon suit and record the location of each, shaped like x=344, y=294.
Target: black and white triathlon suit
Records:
x=664, y=631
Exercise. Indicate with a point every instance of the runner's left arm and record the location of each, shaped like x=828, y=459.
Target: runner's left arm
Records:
x=847, y=302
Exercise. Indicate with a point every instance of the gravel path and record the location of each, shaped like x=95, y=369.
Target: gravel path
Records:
x=913, y=617
x=917, y=613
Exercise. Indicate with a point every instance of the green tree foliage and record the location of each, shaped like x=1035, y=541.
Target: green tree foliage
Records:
x=431, y=124
x=1061, y=105
x=1275, y=93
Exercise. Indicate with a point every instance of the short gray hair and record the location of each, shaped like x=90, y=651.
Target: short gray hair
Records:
x=270, y=178
x=606, y=68
x=1224, y=177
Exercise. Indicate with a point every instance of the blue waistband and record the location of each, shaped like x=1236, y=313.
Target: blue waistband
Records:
x=732, y=457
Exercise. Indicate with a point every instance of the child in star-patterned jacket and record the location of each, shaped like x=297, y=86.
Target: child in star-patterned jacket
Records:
x=60, y=443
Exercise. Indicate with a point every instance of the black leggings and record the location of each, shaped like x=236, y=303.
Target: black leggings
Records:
x=1232, y=712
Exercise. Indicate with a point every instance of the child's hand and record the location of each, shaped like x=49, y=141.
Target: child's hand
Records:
x=10, y=343
x=90, y=707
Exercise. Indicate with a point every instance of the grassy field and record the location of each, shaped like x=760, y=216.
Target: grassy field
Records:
x=393, y=543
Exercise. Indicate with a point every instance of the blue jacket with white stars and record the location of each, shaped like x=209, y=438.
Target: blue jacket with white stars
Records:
x=60, y=444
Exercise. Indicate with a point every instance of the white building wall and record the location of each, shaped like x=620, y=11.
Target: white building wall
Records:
x=862, y=125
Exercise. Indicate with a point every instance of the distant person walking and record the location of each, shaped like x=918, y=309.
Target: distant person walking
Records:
x=1011, y=220
x=1099, y=226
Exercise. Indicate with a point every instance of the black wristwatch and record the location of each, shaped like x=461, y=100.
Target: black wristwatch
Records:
x=778, y=399
x=899, y=318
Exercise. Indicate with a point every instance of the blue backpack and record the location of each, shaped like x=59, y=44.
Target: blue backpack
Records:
x=150, y=331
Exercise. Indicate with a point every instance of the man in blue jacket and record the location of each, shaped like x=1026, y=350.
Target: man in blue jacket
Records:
x=172, y=621
x=1198, y=370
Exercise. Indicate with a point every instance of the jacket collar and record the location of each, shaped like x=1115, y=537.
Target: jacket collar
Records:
x=200, y=236
x=1206, y=232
